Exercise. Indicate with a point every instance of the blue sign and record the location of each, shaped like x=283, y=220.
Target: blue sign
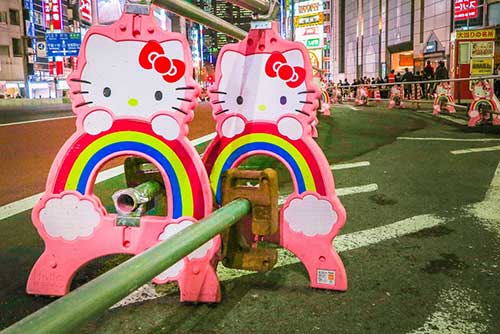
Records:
x=64, y=44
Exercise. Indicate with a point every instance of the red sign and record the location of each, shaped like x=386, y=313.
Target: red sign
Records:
x=86, y=10
x=53, y=15
x=465, y=9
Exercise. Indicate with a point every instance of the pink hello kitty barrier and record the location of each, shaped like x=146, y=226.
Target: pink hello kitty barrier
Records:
x=396, y=97
x=484, y=97
x=264, y=103
x=361, y=95
x=133, y=95
x=443, y=98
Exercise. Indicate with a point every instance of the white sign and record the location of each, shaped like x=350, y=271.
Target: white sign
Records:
x=41, y=49
x=308, y=7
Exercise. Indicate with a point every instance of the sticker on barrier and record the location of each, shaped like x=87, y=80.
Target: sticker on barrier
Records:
x=485, y=108
x=133, y=95
x=264, y=103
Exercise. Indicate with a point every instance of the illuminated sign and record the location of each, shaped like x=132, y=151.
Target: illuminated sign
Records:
x=308, y=7
x=476, y=34
x=86, y=10
x=53, y=15
x=63, y=44
x=313, y=43
x=309, y=20
x=482, y=66
x=465, y=9
x=108, y=11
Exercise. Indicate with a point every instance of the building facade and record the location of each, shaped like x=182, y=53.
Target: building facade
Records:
x=372, y=37
x=12, y=51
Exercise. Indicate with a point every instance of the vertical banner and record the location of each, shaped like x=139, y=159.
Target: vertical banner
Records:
x=59, y=67
x=86, y=10
x=53, y=15
x=51, y=68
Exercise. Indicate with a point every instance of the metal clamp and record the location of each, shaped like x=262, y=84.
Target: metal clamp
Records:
x=141, y=7
x=240, y=242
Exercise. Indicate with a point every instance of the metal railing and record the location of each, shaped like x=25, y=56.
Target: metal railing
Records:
x=66, y=313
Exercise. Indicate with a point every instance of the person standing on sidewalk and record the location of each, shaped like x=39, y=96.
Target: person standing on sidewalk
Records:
x=441, y=73
x=428, y=75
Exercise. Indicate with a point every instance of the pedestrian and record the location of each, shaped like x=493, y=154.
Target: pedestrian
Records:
x=418, y=77
x=391, y=78
x=428, y=75
x=407, y=77
x=441, y=73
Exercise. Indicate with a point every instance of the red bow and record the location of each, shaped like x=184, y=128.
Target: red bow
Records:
x=276, y=66
x=152, y=56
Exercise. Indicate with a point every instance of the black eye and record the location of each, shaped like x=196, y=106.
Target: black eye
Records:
x=283, y=100
x=239, y=100
x=106, y=92
x=158, y=95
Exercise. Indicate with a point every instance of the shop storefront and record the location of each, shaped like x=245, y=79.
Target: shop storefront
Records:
x=472, y=55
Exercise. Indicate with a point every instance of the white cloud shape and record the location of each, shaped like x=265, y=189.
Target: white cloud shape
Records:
x=169, y=231
x=232, y=126
x=69, y=217
x=310, y=215
x=290, y=127
x=166, y=126
x=97, y=122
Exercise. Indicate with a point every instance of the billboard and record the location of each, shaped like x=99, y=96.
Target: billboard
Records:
x=309, y=23
x=108, y=11
x=53, y=15
x=466, y=9
x=86, y=10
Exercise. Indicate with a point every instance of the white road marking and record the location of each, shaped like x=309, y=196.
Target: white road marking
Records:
x=453, y=119
x=488, y=210
x=28, y=203
x=341, y=191
x=356, y=190
x=38, y=120
x=449, y=139
x=458, y=310
x=475, y=150
x=203, y=139
x=343, y=243
x=19, y=206
x=350, y=165
x=351, y=107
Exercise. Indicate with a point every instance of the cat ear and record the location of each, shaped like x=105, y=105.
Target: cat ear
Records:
x=174, y=50
x=99, y=45
x=229, y=63
x=294, y=58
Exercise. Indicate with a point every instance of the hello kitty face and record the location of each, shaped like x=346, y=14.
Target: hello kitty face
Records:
x=134, y=79
x=482, y=90
x=442, y=90
x=263, y=87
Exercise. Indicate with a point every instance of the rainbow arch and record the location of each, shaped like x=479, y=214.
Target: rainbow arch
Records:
x=476, y=103
x=87, y=153
x=299, y=156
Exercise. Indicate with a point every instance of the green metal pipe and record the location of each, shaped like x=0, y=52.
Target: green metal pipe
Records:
x=128, y=200
x=184, y=8
x=80, y=305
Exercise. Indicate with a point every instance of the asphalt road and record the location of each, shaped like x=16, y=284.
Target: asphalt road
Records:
x=421, y=244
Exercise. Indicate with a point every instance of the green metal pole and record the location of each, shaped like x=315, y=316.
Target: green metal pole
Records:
x=184, y=8
x=66, y=313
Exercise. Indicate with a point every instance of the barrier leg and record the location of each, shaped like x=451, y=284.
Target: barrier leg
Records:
x=475, y=117
x=323, y=264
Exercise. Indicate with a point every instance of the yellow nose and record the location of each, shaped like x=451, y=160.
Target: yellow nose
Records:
x=133, y=102
x=261, y=107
